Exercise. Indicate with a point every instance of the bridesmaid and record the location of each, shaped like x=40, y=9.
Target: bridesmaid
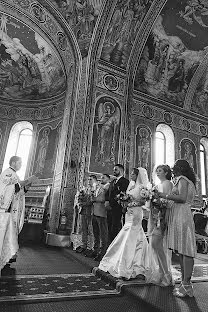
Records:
x=181, y=229
x=156, y=233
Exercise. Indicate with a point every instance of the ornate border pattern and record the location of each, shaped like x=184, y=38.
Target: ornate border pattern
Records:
x=161, y=115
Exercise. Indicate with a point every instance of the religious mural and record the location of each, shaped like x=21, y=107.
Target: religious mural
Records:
x=175, y=47
x=81, y=15
x=200, y=100
x=106, y=133
x=29, y=68
x=143, y=147
x=188, y=152
x=45, y=158
x=126, y=19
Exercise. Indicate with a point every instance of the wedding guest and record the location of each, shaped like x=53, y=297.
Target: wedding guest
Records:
x=105, y=180
x=156, y=231
x=119, y=184
x=201, y=220
x=181, y=229
x=99, y=221
x=86, y=206
x=127, y=256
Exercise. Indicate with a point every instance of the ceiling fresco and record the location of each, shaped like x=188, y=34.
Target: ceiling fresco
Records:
x=175, y=48
x=81, y=16
x=122, y=31
x=29, y=67
x=200, y=99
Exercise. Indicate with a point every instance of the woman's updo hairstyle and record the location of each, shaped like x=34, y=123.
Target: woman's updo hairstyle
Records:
x=166, y=169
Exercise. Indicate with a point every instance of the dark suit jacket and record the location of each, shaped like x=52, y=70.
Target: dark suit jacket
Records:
x=115, y=189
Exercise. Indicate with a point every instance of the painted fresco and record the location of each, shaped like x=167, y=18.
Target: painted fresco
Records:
x=143, y=148
x=188, y=152
x=81, y=16
x=29, y=68
x=46, y=152
x=122, y=31
x=106, y=133
x=174, y=49
x=200, y=99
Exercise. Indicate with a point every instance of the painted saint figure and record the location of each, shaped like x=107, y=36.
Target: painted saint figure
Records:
x=107, y=129
x=143, y=148
x=43, y=145
x=188, y=154
x=176, y=82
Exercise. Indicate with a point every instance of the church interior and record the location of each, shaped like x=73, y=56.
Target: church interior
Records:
x=86, y=84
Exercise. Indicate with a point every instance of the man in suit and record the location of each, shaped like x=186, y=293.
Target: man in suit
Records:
x=118, y=185
x=99, y=222
x=86, y=208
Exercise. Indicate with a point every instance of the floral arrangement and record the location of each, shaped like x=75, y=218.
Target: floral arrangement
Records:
x=127, y=201
x=158, y=210
x=84, y=199
x=124, y=200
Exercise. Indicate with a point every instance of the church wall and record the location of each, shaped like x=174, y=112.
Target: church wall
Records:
x=112, y=76
x=4, y=135
x=187, y=131
x=113, y=92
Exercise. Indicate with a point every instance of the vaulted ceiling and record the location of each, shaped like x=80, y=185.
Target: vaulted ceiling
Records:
x=172, y=65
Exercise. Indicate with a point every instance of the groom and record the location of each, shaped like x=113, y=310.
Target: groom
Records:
x=119, y=184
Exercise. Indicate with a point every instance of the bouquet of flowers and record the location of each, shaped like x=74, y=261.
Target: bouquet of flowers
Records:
x=84, y=199
x=128, y=201
x=123, y=199
x=158, y=210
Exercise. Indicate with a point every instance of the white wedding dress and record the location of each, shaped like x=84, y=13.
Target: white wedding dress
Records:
x=127, y=256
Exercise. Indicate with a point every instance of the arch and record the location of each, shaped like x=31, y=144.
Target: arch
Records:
x=169, y=146
x=19, y=143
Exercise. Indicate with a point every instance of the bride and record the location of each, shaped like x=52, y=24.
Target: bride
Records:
x=127, y=256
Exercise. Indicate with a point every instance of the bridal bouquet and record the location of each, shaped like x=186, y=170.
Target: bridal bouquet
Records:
x=127, y=200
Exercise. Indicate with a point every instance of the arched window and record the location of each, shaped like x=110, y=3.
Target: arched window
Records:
x=203, y=170
x=19, y=142
x=164, y=147
x=159, y=148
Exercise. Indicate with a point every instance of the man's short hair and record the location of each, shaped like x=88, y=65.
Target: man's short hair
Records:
x=14, y=159
x=119, y=166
